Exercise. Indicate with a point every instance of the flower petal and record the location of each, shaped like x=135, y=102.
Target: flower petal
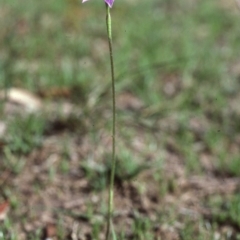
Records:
x=108, y=2
x=84, y=1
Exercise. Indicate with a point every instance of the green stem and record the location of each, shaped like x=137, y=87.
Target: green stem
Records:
x=113, y=163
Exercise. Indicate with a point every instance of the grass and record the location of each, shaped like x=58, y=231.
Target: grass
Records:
x=180, y=61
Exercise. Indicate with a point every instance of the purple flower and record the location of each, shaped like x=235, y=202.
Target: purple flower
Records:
x=108, y=2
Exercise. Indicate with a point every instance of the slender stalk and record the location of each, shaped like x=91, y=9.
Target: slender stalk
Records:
x=113, y=163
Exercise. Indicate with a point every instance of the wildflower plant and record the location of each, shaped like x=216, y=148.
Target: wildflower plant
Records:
x=109, y=4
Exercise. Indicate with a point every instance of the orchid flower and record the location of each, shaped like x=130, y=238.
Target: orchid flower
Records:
x=108, y=2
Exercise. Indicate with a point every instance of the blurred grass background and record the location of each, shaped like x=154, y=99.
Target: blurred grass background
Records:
x=180, y=60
